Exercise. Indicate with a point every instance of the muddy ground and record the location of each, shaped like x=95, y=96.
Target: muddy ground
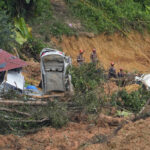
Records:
x=133, y=53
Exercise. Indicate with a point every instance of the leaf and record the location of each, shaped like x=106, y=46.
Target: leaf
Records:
x=23, y=29
x=28, y=1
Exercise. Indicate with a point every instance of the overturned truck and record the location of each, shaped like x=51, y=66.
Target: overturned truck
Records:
x=55, y=71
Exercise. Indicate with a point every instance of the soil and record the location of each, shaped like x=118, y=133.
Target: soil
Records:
x=132, y=53
x=71, y=137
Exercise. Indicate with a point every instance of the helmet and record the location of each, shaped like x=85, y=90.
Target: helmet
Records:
x=94, y=50
x=121, y=69
x=81, y=51
x=112, y=63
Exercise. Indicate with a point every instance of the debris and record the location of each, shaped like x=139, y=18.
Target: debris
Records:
x=54, y=71
x=17, y=102
x=14, y=111
x=145, y=79
x=132, y=87
x=10, y=72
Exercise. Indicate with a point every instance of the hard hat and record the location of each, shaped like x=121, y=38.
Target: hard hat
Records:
x=81, y=51
x=112, y=63
x=94, y=50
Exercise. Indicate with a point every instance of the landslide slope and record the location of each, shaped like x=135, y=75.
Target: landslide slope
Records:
x=131, y=53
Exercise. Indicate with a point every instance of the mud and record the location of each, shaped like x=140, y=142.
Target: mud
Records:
x=131, y=53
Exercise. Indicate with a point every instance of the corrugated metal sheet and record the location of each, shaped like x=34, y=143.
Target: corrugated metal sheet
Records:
x=8, y=61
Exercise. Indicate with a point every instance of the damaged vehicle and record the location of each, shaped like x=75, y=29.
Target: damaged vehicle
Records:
x=10, y=72
x=144, y=79
x=55, y=71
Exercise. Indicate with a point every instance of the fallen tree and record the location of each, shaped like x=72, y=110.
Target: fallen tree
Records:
x=17, y=102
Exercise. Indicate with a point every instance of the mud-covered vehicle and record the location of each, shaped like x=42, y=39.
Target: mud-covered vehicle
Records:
x=55, y=71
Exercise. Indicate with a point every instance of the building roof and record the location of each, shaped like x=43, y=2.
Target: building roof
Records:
x=9, y=61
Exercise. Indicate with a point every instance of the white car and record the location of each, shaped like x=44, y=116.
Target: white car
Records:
x=145, y=79
x=54, y=71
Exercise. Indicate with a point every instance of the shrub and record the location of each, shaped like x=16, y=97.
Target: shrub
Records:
x=32, y=48
x=111, y=15
x=87, y=77
x=133, y=101
x=7, y=36
x=24, y=8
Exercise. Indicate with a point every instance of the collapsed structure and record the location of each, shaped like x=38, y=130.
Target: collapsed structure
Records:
x=10, y=72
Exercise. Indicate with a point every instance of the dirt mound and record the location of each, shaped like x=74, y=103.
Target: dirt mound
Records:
x=32, y=73
x=132, y=136
x=131, y=53
x=67, y=138
x=132, y=87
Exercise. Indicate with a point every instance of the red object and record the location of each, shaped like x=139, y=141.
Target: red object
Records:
x=8, y=61
x=121, y=69
x=94, y=50
x=112, y=63
x=81, y=51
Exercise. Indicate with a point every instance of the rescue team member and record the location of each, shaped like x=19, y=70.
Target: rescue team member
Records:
x=93, y=56
x=121, y=73
x=112, y=71
x=80, y=58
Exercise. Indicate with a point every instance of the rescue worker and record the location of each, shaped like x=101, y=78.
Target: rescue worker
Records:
x=80, y=58
x=112, y=71
x=121, y=73
x=93, y=56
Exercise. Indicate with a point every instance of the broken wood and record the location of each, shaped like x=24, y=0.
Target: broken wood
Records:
x=53, y=95
x=16, y=103
x=15, y=111
x=144, y=107
x=29, y=121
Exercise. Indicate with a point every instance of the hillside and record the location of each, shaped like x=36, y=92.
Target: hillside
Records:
x=102, y=113
x=131, y=53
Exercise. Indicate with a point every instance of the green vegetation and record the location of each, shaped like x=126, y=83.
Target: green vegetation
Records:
x=87, y=77
x=111, y=15
x=86, y=80
x=28, y=119
x=23, y=8
x=133, y=101
x=7, y=34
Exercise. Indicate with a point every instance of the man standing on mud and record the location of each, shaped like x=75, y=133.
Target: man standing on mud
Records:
x=80, y=58
x=93, y=56
x=112, y=71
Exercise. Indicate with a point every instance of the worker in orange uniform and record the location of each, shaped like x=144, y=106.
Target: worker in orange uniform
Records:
x=112, y=71
x=93, y=56
x=80, y=58
x=121, y=73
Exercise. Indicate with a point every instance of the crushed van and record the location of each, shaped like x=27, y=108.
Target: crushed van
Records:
x=54, y=71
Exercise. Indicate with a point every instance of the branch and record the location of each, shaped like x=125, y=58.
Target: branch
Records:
x=15, y=111
x=15, y=102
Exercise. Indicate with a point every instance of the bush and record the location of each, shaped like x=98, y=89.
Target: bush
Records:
x=24, y=8
x=111, y=15
x=133, y=101
x=55, y=114
x=88, y=101
x=32, y=48
x=87, y=77
x=7, y=36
